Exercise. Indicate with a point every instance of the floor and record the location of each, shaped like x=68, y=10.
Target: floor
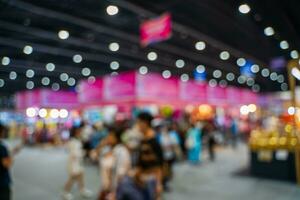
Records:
x=39, y=174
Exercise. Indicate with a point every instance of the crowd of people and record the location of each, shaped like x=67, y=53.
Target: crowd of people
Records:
x=136, y=159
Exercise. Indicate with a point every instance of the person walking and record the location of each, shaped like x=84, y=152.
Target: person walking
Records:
x=193, y=144
x=75, y=165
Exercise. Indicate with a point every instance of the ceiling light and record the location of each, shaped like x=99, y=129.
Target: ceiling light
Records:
x=114, y=46
x=242, y=79
x=2, y=82
x=223, y=83
x=45, y=81
x=255, y=68
x=143, y=70
x=5, y=60
x=71, y=81
x=91, y=79
x=50, y=67
x=77, y=58
x=284, y=86
x=152, y=56
x=184, y=77
x=112, y=10
x=230, y=76
x=294, y=54
x=114, y=65
x=250, y=81
x=30, y=85
x=114, y=73
x=269, y=31
x=265, y=72
x=63, y=34
x=217, y=73
x=255, y=88
x=241, y=62
x=200, y=45
x=29, y=73
x=284, y=44
x=43, y=113
x=166, y=74
x=273, y=76
x=280, y=78
x=64, y=76
x=55, y=86
x=224, y=55
x=31, y=112
x=200, y=69
x=12, y=75
x=212, y=83
x=27, y=49
x=86, y=71
x=244, y=8
x=180, y=63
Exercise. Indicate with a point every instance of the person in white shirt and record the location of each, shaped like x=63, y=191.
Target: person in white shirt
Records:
x=75, y=165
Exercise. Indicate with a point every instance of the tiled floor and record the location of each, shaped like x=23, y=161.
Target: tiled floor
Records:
x=39, y=174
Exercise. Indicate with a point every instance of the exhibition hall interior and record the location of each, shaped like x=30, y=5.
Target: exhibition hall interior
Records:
x=149, y=99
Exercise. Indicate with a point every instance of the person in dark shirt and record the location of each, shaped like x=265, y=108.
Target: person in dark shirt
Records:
x=5, y=164
x=150, y=159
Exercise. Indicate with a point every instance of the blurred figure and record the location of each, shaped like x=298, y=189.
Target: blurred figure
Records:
x=5, y=165
x=193, y=144
x=146, y=183
x=75, y=165
x=211, y=141
x=115, y=163
x=234, y=132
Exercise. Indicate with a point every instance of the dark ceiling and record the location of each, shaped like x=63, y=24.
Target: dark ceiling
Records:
x=216, y=22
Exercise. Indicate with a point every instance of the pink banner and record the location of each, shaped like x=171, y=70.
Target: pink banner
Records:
x=216, y=95
x=59, y=99
x=91, y=92
x=155, y=30
x=193, y=92
x=248, y=97
x=234, y=96
x=155, y=87
x=119, y=86
x=32, y=98
x=20, y=99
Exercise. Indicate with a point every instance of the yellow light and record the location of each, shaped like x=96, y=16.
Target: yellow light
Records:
x=252, y=108
x=31, y=112
x=54, y=113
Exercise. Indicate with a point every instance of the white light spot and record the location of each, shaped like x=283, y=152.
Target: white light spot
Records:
x=265, y=72
x=114, y=46
x=223, y=83
x=43, y=113
x=71, y=81
x=112, y=10
x=244, y=8
x=29, y=73
x=200, y=69
x=242, y=79
x=55, y=86
x=30, y=85
x=166, y=74
x=64, y=76
x=45, y=81
x=5, y=60
x=250, y=82
x=284, y=86
x=241, y=62
x=63, y=34
x=273, y=76
x=77, y=58
x=27, y=49
x=143, y=70
x=2, y=83
x=280, y=78
x=91, y=79
x=86, y=71
x=255, y=88
x=284, y=44
x=224, y=55
x=200, y=45
x=255, y=68
x=291, y=110
x=31, y=112
x=152, y=56
x=180, y=63
x=212, y=83
x=269, y=31
x=114, y=65
x=50, y=67
x=244, y=110
x=294, y=54
x=217, y=73
x=184, y=77
x=54, y=113
x=114, y=73
x=230, y=76
x=63, y=113
x=12, y=75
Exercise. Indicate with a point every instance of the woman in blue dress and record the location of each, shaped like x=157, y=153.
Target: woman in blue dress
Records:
x=193, y=144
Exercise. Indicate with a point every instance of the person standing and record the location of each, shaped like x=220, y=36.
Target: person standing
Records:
x=193, y=144
x=5, y=165
x=75, y=165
